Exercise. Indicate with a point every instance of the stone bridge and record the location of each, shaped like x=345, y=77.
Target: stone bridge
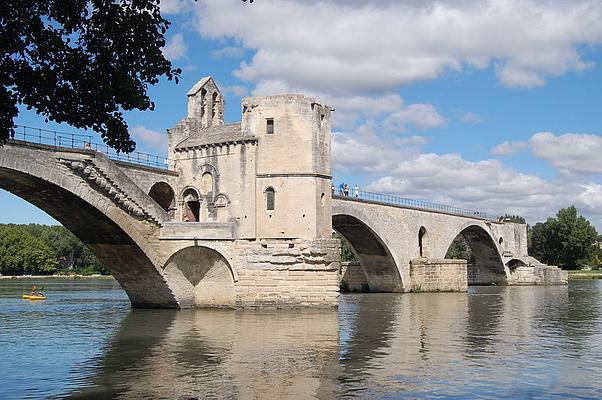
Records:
x=402, y=248
x=244, y=214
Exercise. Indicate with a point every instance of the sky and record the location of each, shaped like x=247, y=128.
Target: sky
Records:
x=493, y=105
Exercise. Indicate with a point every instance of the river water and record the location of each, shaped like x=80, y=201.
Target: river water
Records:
x=493, y=342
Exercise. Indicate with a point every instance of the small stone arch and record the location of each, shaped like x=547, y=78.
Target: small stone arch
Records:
x=164, y=196
x=202, y=172
x=208, y=168
x=487, y=266
x=205, y=276
x=191, y=205
x=515, y=263
x=422, y=242
x=377, y=261
x=221, y=204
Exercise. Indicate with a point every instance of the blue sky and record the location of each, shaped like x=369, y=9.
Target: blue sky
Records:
x=493, y=105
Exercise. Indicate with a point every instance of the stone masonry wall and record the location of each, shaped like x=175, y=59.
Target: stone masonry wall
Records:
x=352, y=277
x=287, y=273
x=434, y=275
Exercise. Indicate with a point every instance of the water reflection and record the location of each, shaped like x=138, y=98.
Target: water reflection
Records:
x=493, y=342
x=225, y=354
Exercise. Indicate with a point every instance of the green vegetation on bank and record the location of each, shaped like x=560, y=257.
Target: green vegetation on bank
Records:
x=44, y=250
x=567, y=240
x=582, y=274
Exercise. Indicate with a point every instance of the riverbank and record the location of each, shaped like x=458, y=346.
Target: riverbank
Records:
x=72, y=276
x=580, y=274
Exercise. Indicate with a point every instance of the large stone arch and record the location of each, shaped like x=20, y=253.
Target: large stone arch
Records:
x=204, y=277
x=377, y=260
x=488, y=264
x=92, y=198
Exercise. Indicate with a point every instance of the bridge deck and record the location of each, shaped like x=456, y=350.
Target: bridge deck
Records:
x=78, y=141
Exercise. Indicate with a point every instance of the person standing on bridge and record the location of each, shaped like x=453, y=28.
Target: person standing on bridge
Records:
x=341, y=187
x=356, y=191
x=346, y=190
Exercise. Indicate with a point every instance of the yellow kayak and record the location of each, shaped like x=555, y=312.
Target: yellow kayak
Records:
x=33, y=297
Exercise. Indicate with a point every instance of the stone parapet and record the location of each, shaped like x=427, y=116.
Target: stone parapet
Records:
x=438, y=275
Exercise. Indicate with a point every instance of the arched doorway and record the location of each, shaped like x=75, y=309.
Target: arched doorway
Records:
x=163, y=195
x=376, y=259
x=485, y=265
x=205, y=274
x=192, y=205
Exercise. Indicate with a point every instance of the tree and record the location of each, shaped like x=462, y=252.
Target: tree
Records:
x=460, y=249
x=81, y=62
x=347, y=253
x=569, y=240
x=72, y=253
x=22, y=253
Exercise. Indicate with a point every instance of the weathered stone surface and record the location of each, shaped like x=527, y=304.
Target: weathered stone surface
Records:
x=352, y=278
x=431, y=275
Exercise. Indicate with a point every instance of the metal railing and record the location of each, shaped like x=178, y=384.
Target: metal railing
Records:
x=85, y=142
x=382, y=198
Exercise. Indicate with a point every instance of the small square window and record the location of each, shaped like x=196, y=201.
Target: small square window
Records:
x=269, y=126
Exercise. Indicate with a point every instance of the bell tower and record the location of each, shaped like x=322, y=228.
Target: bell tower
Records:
x=205, y=103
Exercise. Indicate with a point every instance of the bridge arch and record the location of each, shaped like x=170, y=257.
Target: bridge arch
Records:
x=487, y=266
x=113, y=219
x=377, y=261
x=204, y=277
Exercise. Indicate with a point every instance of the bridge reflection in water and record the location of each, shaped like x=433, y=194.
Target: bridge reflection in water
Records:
x=509, y=342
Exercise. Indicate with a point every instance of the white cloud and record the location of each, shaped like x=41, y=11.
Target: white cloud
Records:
x=362, y=151
x=485, y=185
x=571, y=151
x=174, y=6
x=175, y=48
x=348, y=46
x=508, y=148
x=149, y=137
x=422, y=116
x=470, y=118
x=236, y=90
x=228, y=52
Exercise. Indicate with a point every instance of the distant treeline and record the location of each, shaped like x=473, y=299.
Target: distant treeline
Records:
x=44, y=250
x=567, y=240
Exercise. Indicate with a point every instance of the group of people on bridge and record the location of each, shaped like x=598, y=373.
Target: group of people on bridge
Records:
x=344, y=190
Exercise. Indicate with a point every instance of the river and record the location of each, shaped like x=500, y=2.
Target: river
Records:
x=492, y=342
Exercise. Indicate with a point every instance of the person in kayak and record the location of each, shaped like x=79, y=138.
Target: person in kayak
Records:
x=35, y=292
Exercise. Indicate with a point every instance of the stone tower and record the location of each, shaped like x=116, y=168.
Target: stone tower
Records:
x=293, y=179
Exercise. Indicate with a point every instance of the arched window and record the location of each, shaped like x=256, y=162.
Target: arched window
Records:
x=206, y=183
x=421, y=241
x=203, y=103
x=270, y=198
x=214, y=101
